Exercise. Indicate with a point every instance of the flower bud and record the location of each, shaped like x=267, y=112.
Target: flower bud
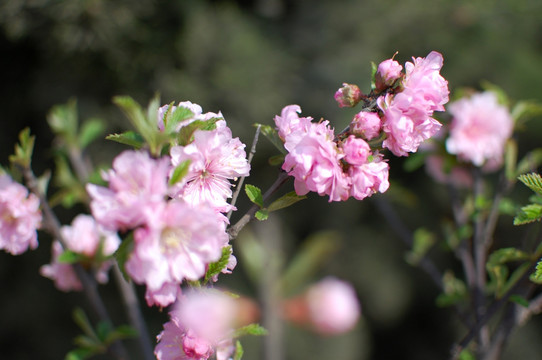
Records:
x=348, y=96
x=387, y=74
x=366, y=124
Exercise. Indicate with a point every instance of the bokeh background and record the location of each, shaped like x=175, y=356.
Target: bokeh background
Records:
x=248, y=59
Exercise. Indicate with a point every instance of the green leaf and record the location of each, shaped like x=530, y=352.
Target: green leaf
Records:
x=533, y=181
x=262, y=214
x=523, y=110
x=179, y=172
x=130, y=138
x=254, y=194
x=79, y=354
x=520, y=300
x=119, y=333
x=504, y=255
x=455, y=290
x=70, y=257
x=63, y=121
x=530, y=161
x=186, y=133
x=83, y=322
x=423, y=240
x=374, y=69
x=528, y=214
x=273, y=136
x=217, y=267
x=238, y=351
x=536, y=277
x=510, y=159
x=123, y=253
x=285, y=201
x=251, y=329
x=276, y=160
x=90, y=131
x=171, y=121
x=466, y=354
x=24, y=149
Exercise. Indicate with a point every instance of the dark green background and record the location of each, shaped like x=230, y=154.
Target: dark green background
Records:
x=248, y=59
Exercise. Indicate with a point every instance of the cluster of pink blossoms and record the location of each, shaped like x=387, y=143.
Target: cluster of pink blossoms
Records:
x=84, y=237
x=178, y=229
x=398, y=114
x=20, y=217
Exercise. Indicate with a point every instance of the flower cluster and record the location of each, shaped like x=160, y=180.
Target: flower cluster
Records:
x=91, y=242
x=178, y=224
x=20, y=217
x=397, y=115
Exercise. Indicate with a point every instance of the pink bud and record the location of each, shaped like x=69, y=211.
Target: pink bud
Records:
x=356, y=150
x=348, y=96
x=386, y=75
x=366, y=124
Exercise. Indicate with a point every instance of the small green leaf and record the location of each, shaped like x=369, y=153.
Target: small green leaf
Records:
x=528, y=214
x=533, y=182
x=119, y=333
x=262, y=214
x=83, y=322
x=273, y=136
x=285, y=201
x=423, y=240
x=186, y=133
x=79, y=354
x=251, y=329
x=536, y=277
x=24, y=149
x=238, y=351
x=123, y=253
x=276, y=160
x=455, y=290
x=130, y=138
x=254, y=194
x=63, y=121
x=90, y=131
x=530, y=161
x=523, y=110
x=520, y=300
x=179, y=172
x=466, y=354
x=172, y=120
x=504, y=255
x=70, y=257
x=217, y=267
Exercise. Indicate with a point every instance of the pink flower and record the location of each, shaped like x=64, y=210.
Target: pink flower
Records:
x=356, y=151
x=407, y=118
x=348, y=96
x=165, y=295
x=201, y=323
x=479, y=130
x=366, y=124
x=289, y=122
x=369, y=178
x=62, y=274
x=456, y=175
x=215, y=159
x=333, y=306
x=84, y=237
x=387, y=73
x=177, y=244
x=20, y=217
x=136, y=182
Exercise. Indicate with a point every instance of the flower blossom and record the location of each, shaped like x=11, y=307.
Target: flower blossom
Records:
x=387, y=73
x=407, y=119
x=201, y=324
x=366, y=124
x=348, y=96
x=20, y=217
x=136, y=182
x=215, y=159
x=178, y=243
x=479, y=130
x=85, y=237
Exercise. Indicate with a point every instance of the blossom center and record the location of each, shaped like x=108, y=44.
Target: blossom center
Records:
x=172, y=239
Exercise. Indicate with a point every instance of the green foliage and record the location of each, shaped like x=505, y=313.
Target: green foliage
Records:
x=536, y=277
x=179, y=172
x=238, y=351
x=285, y=201
x=129, y=138
x=23, y=150
x=273, y=136
x=455, y=290
x=254, y=194
x=123, y=252
x=500, y=282
x=533, y=182
x=423, y=240
x=217, y=267
x=186, y=134
x=251, y=329
x=70, y=257
x=531, y=212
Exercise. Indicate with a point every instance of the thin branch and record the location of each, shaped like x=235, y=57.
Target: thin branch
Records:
x=242, y=179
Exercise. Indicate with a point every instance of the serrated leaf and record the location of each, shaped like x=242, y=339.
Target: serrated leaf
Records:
x=238, y=351
x=217, y=267
x=70, y=257
x=90, y=130
x=285, y=201
x=130, y=138
x=273, y=136
x=254, y=194
x=533, y=181
x=262, y=214
x=23, y=149
x=536, y=277
x=251, y=329
x=186, y=133
x=179, y=172
x=528, y=214
x=504, y=255
x=180, y=114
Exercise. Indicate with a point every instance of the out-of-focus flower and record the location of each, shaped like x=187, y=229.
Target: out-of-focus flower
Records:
x=201, y=324
x=387, y=73
x=479, y=130
x=215, y=159
x=366, y=124
x=20, y=217
x=178, y=243
x=84, y=236
x=455, y=175
x=329, y=307
x=348, y=95
x=136, y=182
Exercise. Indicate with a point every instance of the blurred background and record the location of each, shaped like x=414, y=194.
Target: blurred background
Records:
x=248, y=59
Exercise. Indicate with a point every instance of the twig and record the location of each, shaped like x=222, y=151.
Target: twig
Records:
x=242, y=179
